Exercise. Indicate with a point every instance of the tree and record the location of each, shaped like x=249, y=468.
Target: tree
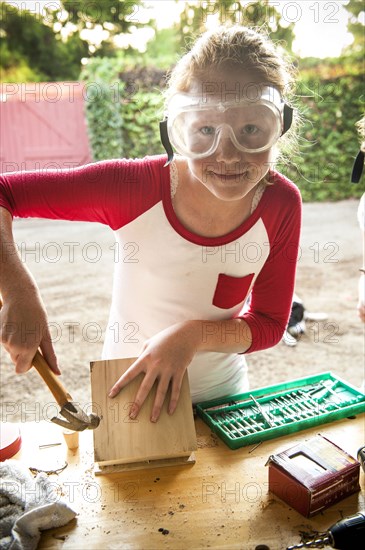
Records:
x=110, y=16
x=194, y=19
x=164, y=49
x=30, y=50
x=48, y=44
x=355, y=27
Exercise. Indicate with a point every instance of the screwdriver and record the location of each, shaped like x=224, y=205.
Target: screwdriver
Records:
x=346, y=534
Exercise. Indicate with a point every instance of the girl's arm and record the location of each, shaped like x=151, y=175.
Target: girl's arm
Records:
x=272, y=294
x=70, y=194
x=106, y=192
x=361, y=220
x=99, y=192
x=23, y=319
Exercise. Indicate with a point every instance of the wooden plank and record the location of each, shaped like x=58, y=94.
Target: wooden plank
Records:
x=120, y=440
x=145, y=465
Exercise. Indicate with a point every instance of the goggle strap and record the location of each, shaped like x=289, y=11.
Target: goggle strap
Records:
x=287, y=118
x=166, y=142
x=358, y=167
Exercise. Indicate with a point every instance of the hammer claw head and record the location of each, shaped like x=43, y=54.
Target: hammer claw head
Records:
x=62, y=423
x=75, y=419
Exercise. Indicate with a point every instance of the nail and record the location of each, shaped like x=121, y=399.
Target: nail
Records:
x=153, y=418
x=133, y=411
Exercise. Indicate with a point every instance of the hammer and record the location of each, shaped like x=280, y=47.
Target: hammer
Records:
x=74, y=418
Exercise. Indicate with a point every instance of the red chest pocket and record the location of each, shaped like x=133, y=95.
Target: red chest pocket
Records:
x=231, y=291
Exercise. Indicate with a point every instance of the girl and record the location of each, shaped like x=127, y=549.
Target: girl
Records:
x=213, y=226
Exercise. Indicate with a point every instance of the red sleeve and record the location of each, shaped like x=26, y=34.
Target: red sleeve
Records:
x=272, y=294
x=112, y=192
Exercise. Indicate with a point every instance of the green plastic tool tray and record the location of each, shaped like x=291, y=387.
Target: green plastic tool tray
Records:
x=281, y=409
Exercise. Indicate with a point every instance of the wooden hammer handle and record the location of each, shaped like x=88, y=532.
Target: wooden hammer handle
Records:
x=59, y=392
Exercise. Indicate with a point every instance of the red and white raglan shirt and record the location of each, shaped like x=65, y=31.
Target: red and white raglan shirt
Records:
x=177, y=275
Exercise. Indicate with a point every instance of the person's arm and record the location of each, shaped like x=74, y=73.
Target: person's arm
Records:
x=23, y=319
x=361, y=220
x=108, y=192
x=361, y=302
x=103, y=192
x=61, y=194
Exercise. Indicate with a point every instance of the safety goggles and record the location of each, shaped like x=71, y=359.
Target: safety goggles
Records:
x=194, y=126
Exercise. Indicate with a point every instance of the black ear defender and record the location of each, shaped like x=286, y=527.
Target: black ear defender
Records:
x=358, y=167
x=287, y=118
x=166, y=142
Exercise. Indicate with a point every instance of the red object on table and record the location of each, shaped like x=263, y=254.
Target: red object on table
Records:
x=10, y=440
x=313, y=475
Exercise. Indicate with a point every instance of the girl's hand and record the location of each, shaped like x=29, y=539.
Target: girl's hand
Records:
x=24, y=328
x=164, y=358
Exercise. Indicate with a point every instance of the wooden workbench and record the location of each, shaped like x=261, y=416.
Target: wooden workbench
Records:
x=222, y=501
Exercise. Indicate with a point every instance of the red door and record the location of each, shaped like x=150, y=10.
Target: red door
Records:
x=42, y=126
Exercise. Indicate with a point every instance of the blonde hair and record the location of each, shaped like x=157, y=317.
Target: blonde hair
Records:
x=233, y=47
x=241, y=49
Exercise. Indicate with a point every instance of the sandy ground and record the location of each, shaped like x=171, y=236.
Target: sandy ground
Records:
x=73, y=264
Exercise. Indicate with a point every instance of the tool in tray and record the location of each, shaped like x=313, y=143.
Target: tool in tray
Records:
x=281, y=409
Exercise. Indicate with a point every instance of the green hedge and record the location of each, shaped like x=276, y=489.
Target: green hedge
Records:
x=140, y=130
x=328, y=141
x=123, y=122
x=122, y=117
x=104, y=121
